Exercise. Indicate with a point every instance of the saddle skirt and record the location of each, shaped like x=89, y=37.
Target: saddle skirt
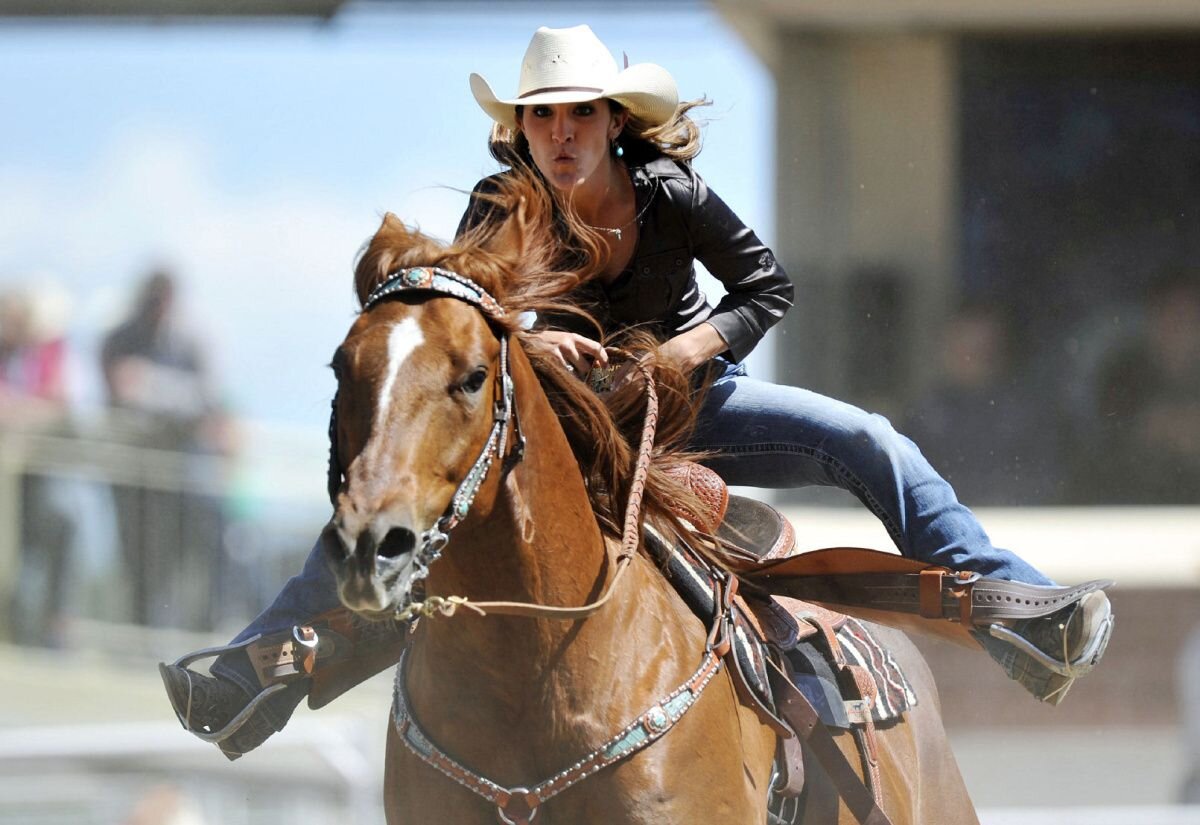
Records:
x=833, y=659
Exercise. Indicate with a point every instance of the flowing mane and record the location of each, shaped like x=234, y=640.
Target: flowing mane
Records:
x=513, y=259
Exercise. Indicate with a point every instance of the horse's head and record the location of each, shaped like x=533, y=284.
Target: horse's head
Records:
x=425, y=405
x=424, y=408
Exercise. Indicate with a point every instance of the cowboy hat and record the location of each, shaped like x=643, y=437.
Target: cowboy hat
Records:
x=571, y=66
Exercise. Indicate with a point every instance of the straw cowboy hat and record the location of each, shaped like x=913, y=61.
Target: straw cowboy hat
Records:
x=571, y=66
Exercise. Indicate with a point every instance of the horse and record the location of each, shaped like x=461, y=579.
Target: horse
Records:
x=457, y=478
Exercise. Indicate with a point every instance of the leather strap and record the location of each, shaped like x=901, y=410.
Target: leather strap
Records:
x=859, y=798
x=630, y=539
x=993, y=599
x=518, y=806
x=284, y=656
x=934, y=593
x=789, y=761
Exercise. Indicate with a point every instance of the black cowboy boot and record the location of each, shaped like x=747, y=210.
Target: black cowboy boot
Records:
x=1047, y=654
x=256, y=684
x=221, y=711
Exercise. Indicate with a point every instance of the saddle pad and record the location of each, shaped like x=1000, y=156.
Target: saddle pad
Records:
x=817, y=674
x=694, y=583
x=813, y=675
x=894, y=693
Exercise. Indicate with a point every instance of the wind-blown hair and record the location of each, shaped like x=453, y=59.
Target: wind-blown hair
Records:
x=513, y=257
x=678, y=138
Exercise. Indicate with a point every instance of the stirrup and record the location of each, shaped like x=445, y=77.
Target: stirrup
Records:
x=305, y=639
x=1082, y=663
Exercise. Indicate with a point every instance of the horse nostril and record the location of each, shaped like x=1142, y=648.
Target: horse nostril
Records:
x=331, y=543
x=397, y=542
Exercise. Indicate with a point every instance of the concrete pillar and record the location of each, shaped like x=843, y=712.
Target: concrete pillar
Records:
x=866, y=201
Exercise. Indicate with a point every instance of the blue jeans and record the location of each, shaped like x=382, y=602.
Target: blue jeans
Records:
x=770, y=435
x=311, y=592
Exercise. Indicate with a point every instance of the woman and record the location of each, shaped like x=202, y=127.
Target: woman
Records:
x=614, y=147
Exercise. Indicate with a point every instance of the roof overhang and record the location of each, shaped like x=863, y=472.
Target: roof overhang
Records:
x=107, y=9
x=760, y=21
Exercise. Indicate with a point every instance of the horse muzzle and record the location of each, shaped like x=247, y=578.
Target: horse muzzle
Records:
x=375, y=566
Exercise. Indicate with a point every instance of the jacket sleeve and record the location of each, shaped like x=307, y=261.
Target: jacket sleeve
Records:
x=758, y=291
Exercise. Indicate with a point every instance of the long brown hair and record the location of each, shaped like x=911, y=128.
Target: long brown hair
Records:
x=513, y=259
x=678, y=138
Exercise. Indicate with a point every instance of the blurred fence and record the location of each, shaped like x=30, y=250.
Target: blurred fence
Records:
x=150, y=773
x=97, y=527
x=115, y=554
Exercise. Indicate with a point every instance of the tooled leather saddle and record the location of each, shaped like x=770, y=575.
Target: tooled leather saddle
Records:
x=802, y=659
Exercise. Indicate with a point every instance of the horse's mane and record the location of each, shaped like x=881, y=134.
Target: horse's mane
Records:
x=513, y=258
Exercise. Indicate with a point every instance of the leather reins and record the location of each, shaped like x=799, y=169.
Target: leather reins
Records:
x=438, y=281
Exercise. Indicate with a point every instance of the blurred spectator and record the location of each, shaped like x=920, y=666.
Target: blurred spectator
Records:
x=155, y=370
x=1146, y=445
x=979, y=425
x=156, y=377
x=32, y=400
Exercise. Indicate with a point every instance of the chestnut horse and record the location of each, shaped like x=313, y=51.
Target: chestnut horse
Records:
x=457, y=468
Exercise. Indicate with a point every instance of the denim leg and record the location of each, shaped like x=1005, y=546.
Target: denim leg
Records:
x=311, y=592
x=770, y=435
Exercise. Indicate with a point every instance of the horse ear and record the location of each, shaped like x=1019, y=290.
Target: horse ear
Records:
x=381, y=253
x=392, y=227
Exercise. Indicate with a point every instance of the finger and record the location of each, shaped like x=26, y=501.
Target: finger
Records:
x=593, y=349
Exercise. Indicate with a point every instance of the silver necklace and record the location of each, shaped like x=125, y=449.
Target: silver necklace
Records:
x=616, y=231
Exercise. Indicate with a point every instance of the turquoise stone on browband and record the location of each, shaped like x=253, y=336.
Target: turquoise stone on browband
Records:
x=435, y=279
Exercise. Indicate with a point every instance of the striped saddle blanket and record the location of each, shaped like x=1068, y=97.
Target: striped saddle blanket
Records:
x=834, y=659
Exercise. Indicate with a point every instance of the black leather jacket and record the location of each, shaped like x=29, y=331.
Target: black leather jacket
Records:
x=681, y=221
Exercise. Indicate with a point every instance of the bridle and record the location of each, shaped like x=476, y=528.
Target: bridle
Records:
x=519, y=805
x=438, y=281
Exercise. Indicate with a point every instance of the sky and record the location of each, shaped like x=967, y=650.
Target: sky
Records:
x=254, y=160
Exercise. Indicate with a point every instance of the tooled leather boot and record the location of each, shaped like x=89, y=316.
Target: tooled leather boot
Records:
x=256, y=684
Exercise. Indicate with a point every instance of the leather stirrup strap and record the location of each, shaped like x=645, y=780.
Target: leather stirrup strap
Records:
x=856, y=577
x=807, y=723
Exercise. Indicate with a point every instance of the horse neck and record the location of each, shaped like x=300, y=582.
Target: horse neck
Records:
x=559, y=687
x=532, y=537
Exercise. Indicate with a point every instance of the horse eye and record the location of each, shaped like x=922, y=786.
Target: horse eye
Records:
x=474, y=382
x=338, y=363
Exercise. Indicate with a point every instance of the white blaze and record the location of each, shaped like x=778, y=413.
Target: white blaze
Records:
x=402, y=340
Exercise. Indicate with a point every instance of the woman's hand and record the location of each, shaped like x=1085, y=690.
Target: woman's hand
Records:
x=578, y=353
x=691, y=349
x=686, y=352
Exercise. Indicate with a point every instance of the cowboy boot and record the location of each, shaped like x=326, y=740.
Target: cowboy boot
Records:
x=256, y=684
x=1045, y=655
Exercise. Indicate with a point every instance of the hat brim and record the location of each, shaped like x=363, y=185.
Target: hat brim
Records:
x=647, y=90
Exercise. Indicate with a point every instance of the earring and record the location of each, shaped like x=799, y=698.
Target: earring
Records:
x=618, y=149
